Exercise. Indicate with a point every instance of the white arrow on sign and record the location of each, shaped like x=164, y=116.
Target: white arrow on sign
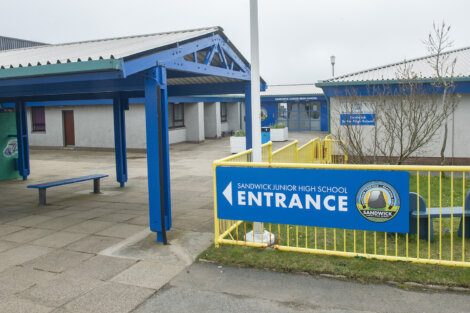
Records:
x=228, y=193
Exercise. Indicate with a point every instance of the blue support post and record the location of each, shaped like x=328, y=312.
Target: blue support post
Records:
x=22, y=135
x=248, y=128
x=120, y=105
x=324, y=116
x=158, y=157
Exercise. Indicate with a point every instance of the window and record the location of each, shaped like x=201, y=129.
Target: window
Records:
x=176, y=115
x=223, y=112
x=38, y=118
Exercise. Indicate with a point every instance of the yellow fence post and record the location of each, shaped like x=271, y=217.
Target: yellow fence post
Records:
x=216, y=219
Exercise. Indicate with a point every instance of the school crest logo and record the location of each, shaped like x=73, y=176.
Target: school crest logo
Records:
x=264, y=113
x=378, y=201
x=11, y=149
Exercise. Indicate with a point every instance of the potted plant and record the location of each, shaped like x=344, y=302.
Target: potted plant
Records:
x=238, y=141
x=279, y=132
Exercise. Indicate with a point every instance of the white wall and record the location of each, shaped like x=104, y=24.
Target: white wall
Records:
x=233, y=116
x=457, y=143
x=212, y=124
x=194, y=121
x=94, y=127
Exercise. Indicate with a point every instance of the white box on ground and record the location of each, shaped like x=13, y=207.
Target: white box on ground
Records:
x=237, y=144
x=279, y=134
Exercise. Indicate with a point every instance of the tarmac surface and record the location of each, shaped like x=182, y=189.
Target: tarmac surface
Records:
x=94, y=253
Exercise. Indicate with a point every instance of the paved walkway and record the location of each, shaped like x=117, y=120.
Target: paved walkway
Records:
x=208, y=288
x=94, y=253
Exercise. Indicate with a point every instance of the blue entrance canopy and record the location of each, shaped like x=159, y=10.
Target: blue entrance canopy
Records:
x=155, y=66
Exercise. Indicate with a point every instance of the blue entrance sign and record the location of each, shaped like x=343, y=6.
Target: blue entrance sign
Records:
x=351, y=199
x=359, y=119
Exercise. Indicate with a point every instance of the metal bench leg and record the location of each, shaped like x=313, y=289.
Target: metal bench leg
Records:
x=467, y=227
x=96, y=185
x=42, y=196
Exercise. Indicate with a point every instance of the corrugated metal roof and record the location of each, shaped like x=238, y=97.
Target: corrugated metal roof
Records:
x=293, y=89
x=200, y=80
x=103, y=49
x=8, y=43
x=420, y=66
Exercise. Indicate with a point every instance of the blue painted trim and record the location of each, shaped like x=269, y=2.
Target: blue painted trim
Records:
x=132, y=101
x=54, y=79
x=371, y=90
x=23, y=144
x=182, y=65
x=119, y=106
x=248, y=126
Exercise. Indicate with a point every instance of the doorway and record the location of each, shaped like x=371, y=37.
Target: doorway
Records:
x=303, y=116
x=69, y=128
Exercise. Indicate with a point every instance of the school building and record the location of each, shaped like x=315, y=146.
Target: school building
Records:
x=75, y=123
x=368, y=83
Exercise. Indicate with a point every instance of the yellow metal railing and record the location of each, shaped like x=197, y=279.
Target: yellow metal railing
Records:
x=440, y=235
x=289, y=153
x=311, y=152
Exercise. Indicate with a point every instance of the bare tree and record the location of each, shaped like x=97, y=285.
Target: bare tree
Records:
x=437, y=44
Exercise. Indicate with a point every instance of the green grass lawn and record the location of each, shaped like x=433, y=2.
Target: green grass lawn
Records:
x=352, y=268
x=447, y=245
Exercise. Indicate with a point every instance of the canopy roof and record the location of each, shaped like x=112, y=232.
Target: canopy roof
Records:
x=198, y=61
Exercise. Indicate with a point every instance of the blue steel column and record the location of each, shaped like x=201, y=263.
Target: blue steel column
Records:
x=120, y=104
x=248, y=128
x=22, y=135
x=156, y=114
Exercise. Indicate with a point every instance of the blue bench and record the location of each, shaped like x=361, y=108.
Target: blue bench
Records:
x=44, y=186
x=426, y=213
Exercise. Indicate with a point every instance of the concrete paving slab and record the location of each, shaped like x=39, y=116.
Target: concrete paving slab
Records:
x=61, y=289
x=90, y=227
x=6, y=217
x=102, y=267
x=19, y=278
x=20, y=255
x=8, y=229
x=110, y=298
x=14, y=304
x=60, y=223
x=30, y=221
x=140, y=220
x=116, y=217
x=58, y=239
x=93, y=244
x=58, y=213
x=27, y=235
x=184, y=247
x=88, y=215
x=121, y=230
x=147, y=274
x=58, y=261
x=5, y=245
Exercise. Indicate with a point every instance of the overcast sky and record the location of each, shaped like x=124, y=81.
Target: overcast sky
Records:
x=297, y=37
